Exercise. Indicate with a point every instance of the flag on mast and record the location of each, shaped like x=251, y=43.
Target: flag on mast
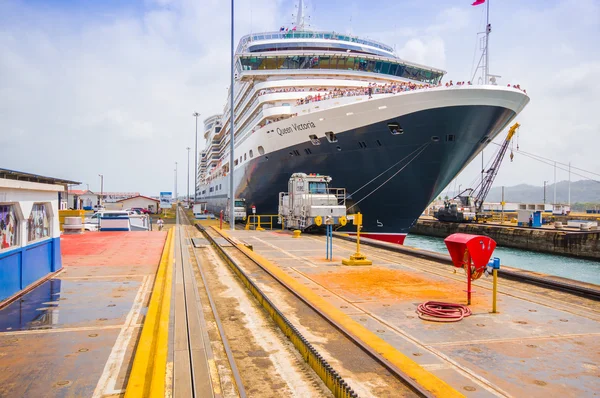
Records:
x=478, y=2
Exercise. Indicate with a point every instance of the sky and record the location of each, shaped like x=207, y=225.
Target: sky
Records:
x=109, y=87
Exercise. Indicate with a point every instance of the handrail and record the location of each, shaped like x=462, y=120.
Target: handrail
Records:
x=258, y=224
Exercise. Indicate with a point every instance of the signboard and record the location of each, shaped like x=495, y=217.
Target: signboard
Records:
x=165, y=200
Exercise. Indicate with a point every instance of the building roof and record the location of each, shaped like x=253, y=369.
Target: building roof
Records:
x=79, y=192
x=22, y=176
x=139, y=196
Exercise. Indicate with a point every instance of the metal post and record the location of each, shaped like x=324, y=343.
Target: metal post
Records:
x=487, y=43
x=502, y=216
x=554, y=184
x=176, y=196
x=101, y=188
x=569, y=185
x=196, y=114
x=495, y=290
x=358, y=237
x=188, y=178
x=545, y=194
x=221, y=220
x=327, y=242
x=231, y=133
x=331, y=242
x=469, y=280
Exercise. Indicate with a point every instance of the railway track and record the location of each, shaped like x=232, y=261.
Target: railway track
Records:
x=562, y=286
x=194, y=336
x=346, y=365
x=247, y=355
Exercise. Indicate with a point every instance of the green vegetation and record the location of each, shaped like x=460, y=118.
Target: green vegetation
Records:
x=583, y=206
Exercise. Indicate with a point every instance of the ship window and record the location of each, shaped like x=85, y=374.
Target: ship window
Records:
x=245, y=157
x=291, y=153
x=331, y=136
x=395, y=128
x=314, y=139
x=435, y=138
x=307, y=151
x=362, y=144
x=220, y=187
x=378, y=143
x=251, y=153
x=450, y=138
x=261, y=150
x=296, y=152
x=235, y=162
x=338, y=148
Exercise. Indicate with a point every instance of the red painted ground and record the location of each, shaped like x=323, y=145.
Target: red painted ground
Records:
x=112, y=248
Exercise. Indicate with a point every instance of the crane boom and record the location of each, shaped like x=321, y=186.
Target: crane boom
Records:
x=492, y=172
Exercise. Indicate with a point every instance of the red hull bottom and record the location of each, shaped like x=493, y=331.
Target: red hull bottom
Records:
x=389, y=238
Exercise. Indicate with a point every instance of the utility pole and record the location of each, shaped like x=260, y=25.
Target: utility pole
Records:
x=569, y=185
x=175, y=183
x=545, y=182
x=196, y=115
x=101, y=188
x=554, y=183
x=188, y=178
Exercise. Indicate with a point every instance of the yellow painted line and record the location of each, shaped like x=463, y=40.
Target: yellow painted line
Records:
x=426, y=379
x=147, y=377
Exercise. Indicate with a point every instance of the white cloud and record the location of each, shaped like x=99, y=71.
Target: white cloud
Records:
x=428, y=51
x=112, y=91
x=114, y=95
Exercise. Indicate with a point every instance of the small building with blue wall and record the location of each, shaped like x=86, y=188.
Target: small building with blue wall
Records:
x=29, y=229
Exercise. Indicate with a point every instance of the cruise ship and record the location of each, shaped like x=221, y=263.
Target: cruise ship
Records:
x=384, y=128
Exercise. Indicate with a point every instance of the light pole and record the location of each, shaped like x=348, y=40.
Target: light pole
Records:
x=196, y=115
x=545, y=182
x=231, y=134
x=101, y=188
x=176, y=197
x=459, y=186
x=188, y=197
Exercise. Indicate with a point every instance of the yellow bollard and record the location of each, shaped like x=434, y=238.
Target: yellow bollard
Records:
x=495, y=290
x=357, y=258
x=297, y=233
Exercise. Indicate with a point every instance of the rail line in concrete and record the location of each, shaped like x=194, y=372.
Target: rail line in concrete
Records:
x=198, y=388
x=414, y=380
x=564, y=286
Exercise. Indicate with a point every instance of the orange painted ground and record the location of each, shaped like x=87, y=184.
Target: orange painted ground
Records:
x=112, y=248
x=382, y=283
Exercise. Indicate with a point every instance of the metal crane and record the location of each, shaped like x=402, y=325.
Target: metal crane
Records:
x=483, y=189
x=467, y=206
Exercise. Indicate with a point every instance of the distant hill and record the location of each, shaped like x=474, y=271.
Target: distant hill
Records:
x=581, y=191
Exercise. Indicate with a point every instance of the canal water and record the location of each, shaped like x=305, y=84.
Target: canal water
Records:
x=566, y=267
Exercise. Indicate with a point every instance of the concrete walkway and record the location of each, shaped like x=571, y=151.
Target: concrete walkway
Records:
x=74, y=335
